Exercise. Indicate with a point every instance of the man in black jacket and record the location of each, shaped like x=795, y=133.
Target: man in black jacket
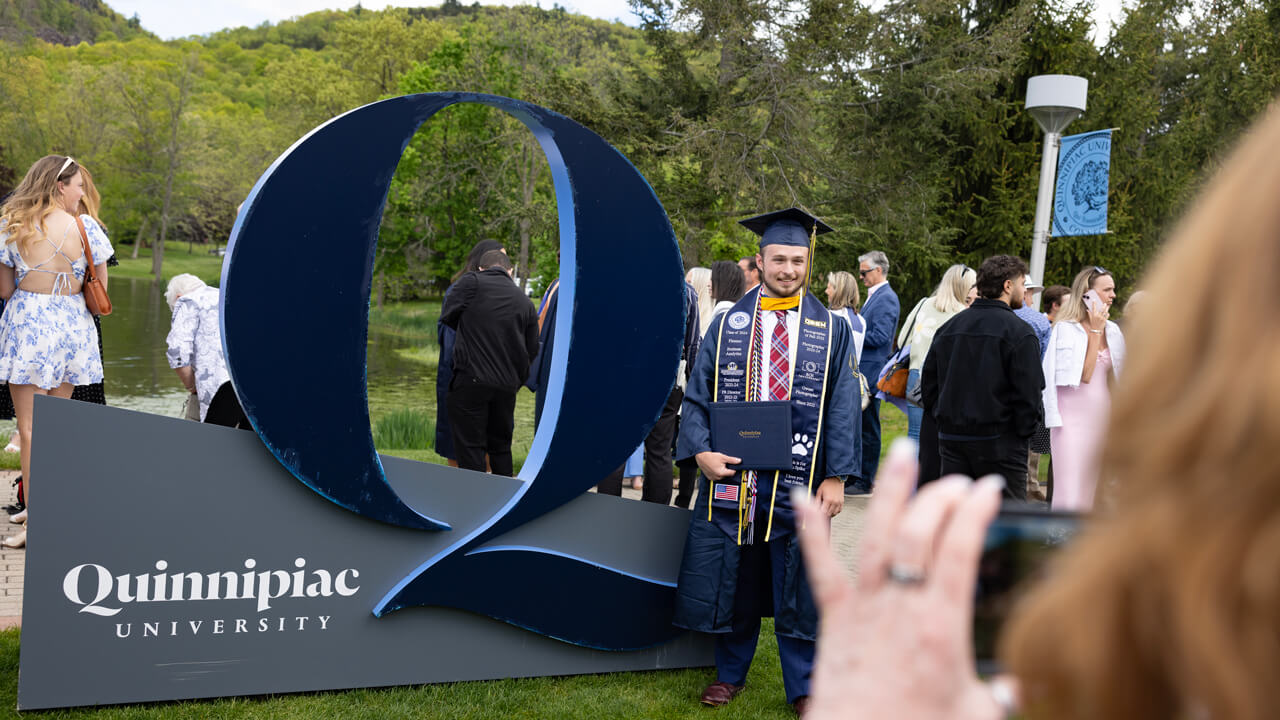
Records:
x=497, y=329
x=982, y=381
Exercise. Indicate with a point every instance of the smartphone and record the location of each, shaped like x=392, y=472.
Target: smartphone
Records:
x=1092, y=302
x=1016, y=554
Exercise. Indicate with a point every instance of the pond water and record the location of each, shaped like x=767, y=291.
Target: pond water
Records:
x=401, y=367
x=138, y=376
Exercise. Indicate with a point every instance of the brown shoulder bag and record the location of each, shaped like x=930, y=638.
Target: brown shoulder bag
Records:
x=95, y=293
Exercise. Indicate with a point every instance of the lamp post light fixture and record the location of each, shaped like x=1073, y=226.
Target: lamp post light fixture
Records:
x=1054, y=101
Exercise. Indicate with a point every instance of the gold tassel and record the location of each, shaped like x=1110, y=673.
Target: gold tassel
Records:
x=813, y=246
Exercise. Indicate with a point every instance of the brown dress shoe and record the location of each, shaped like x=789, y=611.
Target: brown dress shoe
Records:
x=720, y=693
x=801, y=706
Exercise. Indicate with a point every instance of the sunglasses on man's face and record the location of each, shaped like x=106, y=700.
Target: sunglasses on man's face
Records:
x=863, y=273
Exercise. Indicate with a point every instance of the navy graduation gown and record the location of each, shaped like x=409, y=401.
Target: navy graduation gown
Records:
x=709, y=571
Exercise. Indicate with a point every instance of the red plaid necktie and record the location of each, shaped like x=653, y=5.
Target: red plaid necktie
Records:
x=779, y=364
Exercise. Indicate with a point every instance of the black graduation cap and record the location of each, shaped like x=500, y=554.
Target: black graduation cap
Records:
x=792, y=226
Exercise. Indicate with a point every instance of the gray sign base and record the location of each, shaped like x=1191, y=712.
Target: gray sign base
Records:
x=133, y=511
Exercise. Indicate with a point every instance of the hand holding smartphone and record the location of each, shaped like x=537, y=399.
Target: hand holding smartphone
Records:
x=1018, y=546
x=1094, y=304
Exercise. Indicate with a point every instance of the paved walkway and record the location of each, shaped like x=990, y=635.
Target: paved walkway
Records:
x=846, y=531
x=13, y=561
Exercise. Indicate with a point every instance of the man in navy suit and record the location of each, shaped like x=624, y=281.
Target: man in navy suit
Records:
x=880, y=312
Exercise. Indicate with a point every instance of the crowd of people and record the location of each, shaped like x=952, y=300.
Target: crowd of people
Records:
x=1171, y=591
x=976, y=357
x=515, y=350
x=492, y=341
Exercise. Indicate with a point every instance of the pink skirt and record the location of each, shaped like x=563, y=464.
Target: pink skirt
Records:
x=1077, y=444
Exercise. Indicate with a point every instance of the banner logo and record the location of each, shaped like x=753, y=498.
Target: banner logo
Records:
x=1080, y=196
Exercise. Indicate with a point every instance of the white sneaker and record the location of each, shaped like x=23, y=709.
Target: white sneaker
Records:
x=19, y=518
x=15, y=542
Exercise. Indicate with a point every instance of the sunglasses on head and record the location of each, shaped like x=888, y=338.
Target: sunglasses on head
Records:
x=1101, y=270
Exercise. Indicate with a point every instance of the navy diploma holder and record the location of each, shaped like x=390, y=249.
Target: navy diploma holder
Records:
x=757, y=432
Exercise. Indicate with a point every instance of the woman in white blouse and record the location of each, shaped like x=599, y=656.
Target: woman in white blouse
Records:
x=195, y=350
x=1085, y=350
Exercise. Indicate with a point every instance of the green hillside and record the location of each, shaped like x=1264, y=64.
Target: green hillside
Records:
x=902, y=124
x=64, y=22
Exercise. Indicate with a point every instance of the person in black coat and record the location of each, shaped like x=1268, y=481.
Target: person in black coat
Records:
x=444, y=365
x=497, y=339
x=982, y=381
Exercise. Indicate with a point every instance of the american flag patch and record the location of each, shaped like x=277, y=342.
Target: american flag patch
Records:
x=726, y=492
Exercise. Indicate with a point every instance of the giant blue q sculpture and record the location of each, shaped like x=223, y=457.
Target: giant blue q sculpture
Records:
x=295, y=299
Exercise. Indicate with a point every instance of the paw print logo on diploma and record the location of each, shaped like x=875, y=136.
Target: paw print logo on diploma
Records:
x=802, y=445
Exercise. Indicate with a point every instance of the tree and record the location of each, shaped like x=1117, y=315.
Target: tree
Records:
x=901, y=124
x=175, y=103
x=154, y=97
x=740, y=134
x=377, y=48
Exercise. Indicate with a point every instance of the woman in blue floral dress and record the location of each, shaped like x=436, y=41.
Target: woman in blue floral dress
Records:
x=48, y=342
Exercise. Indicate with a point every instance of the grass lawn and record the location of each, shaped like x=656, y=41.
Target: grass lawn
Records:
x=177, y=260
x=657, y=695
x=413, y=319
x=893, y=425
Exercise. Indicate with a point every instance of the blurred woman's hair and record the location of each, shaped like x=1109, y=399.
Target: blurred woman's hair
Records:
x=700, y=279
x=1074, y=310
x=36, y=196
x=1168, y=605
x=953, y=290
x=844, y=290
x=472, y=263
x=727, y=281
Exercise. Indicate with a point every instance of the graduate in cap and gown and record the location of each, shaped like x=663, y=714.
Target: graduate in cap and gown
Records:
x=742, y=558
